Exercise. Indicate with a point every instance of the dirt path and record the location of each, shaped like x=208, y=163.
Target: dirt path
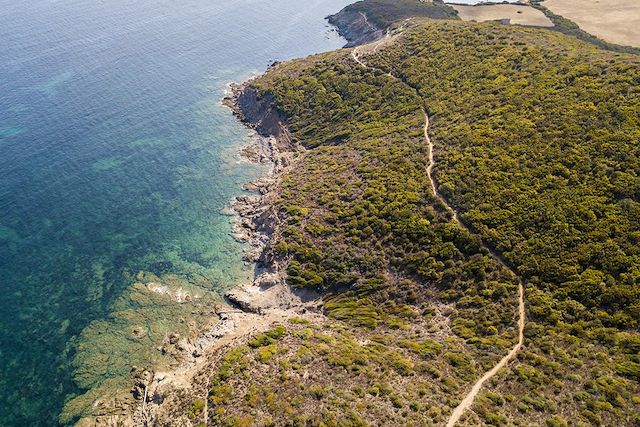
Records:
x=477, y=386
x=470, y=397
x=366, y=21
x=371, y=47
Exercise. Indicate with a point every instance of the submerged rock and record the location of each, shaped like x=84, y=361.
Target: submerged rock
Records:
x=138, y=332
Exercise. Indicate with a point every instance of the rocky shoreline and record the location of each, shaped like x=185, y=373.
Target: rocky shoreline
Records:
x=251, y=307
x=355, y=27
x=256, y=222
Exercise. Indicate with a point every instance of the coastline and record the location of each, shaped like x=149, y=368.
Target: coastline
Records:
x=250, y=307
x=266, y=299
x=256, y=221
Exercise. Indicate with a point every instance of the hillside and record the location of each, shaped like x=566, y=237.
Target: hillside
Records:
x=366, y=20
x=537, y=147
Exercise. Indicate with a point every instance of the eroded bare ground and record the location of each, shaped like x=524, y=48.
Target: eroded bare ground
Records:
x=615, y=21
x=168, y=389
x=158, y=393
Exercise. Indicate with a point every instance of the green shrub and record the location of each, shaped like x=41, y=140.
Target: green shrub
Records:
x=196, y=408
x=267, y=338
x=556, y=421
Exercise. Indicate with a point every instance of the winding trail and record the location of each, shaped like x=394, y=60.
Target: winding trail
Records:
x=366, y=21
x=468, y=400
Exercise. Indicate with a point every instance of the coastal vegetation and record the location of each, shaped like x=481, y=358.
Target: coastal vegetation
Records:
x=537, y=139
x=540, y=153
x=384, y=13
x=551, y=140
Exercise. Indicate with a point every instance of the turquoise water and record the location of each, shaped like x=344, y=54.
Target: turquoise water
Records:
x=116, y=159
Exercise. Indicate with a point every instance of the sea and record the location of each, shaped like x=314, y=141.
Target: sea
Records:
x=117, y=164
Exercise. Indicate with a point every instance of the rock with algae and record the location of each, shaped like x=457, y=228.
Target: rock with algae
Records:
x=152, y=325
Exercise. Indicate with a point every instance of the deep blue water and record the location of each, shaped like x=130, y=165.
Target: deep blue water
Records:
x=116, y=157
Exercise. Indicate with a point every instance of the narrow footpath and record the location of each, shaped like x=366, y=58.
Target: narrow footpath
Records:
x=468, y=400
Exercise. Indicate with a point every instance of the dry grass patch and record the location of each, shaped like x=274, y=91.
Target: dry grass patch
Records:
x=615, y=21
x=517, y=14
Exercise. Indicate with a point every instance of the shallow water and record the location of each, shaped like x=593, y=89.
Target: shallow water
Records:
x=116, y=158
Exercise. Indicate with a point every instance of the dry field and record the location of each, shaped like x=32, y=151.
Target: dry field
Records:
x=615, y=21
x=518, y=14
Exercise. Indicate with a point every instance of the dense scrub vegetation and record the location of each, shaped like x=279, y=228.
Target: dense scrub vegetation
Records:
x=363, y=223
x=539, y=148
x=359, y=208
x=537, y=145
